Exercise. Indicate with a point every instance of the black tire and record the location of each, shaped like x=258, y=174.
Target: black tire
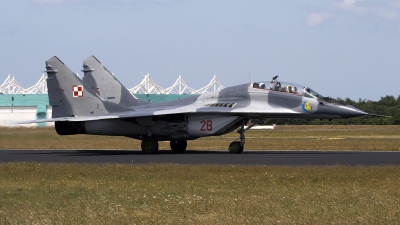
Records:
x=235, y=147
x=149, y=145
x=178, y=146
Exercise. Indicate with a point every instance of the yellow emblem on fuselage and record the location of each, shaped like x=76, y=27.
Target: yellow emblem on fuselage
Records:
x=306, y=106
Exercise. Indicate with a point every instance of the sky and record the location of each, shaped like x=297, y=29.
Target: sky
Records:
x=339, y=48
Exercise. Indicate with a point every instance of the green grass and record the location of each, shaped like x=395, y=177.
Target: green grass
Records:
x=296, y=137
x=32, y=193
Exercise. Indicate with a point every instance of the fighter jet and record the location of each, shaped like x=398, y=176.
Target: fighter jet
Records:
x=79, y=109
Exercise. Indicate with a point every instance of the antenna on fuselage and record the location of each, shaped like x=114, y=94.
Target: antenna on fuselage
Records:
x=274, y=79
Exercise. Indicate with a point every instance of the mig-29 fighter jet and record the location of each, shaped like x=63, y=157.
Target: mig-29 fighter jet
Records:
x=79, y=109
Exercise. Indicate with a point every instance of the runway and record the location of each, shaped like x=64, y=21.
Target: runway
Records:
x=288, y=158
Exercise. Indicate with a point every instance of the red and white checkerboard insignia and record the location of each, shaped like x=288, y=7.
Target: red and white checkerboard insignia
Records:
x=77, y=91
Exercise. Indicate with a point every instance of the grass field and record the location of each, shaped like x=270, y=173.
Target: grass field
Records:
x=35, y=193
x=330, y=137
x=207, y=194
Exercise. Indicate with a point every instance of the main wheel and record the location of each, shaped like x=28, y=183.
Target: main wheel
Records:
x=149, y=145
x=235, y=147
x=178, y=146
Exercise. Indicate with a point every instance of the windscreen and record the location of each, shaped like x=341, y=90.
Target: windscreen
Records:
x=310, y=93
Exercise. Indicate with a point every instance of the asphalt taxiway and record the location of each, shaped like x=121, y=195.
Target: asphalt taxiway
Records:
x=288, y=158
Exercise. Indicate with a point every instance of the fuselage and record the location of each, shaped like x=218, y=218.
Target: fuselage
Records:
x=220, y=112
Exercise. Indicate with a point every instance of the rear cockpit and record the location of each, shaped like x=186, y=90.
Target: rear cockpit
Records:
x=285, y=87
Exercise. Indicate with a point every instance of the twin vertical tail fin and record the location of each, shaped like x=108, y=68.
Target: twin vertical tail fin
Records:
x=106, y=85
x=69, y=96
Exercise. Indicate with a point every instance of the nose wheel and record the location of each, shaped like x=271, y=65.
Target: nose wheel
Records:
x=236, y=147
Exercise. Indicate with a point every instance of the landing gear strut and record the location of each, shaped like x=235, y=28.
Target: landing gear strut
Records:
x=237, y=147
x=178, y=146
x=149, y=145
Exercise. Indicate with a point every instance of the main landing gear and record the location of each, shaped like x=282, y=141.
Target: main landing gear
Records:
x=150, y=145
x=237, y=147
x=178, y=146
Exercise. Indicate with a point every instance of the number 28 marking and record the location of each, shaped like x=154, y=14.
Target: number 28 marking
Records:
x=206, y=125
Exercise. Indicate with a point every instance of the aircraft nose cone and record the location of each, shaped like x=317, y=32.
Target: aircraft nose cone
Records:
x=351, y=111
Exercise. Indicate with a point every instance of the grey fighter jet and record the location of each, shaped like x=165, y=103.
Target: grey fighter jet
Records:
x=79, y=109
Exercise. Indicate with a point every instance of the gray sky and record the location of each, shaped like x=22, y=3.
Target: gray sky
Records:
x=340, y=48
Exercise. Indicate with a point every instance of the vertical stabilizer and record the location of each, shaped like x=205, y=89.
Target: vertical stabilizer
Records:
x=70, y=96
x=105, y=84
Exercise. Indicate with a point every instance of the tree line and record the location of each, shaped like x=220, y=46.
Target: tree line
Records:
x=388, y=106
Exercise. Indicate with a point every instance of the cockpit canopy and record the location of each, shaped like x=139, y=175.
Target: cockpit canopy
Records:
x=286, y=87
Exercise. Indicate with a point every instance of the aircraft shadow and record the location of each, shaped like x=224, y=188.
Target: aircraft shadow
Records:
x=290, y=158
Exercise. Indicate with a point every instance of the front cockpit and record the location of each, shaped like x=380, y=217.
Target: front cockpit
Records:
x=290, y=88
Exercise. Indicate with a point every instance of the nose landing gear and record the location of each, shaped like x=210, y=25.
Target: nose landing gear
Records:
x=236, y=147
